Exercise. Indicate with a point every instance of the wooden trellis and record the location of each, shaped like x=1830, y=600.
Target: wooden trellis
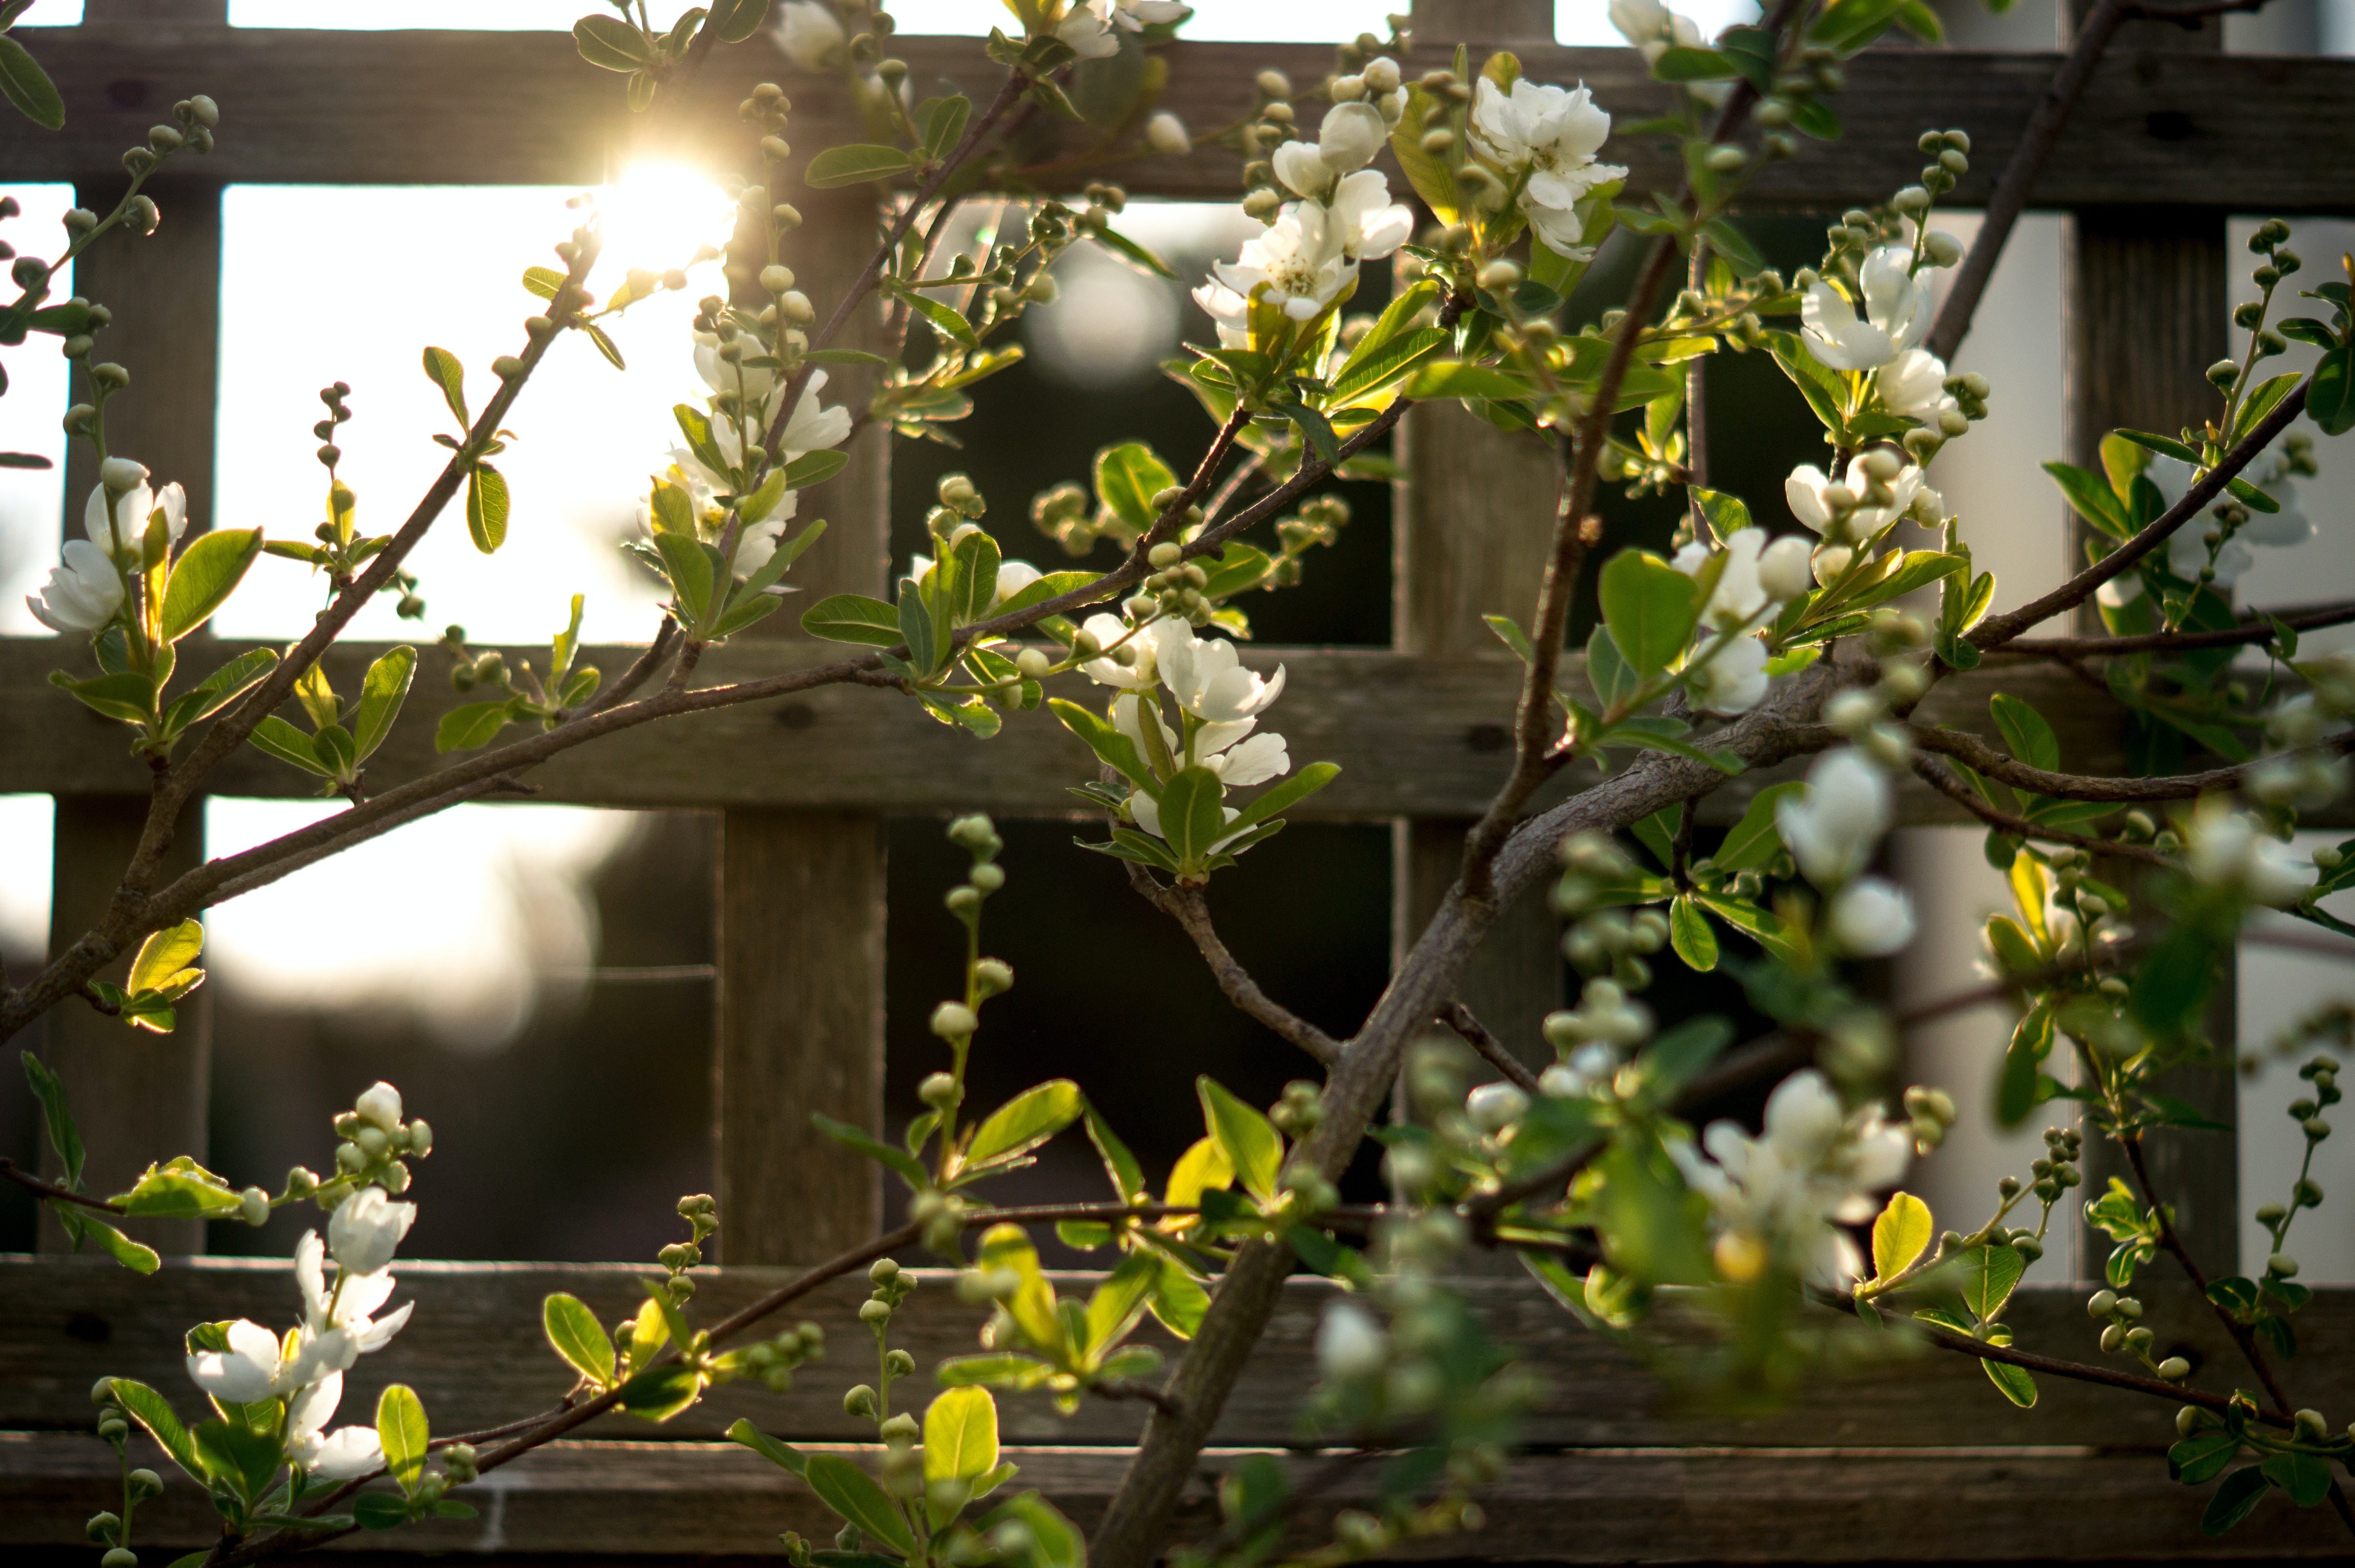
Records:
x=2171, y=137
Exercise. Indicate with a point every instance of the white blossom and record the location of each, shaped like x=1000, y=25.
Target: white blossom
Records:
x=2227, y=850
x=1872, y=918
x=1814, y=1168
x=1207, y=678
x=2188, y=546
x=82, y=593
x=1915, y=384
x=1551, y=133
x=1298, y=258
x=379, y=1103
x=366, y=1228
x=1350, y=1343
x=1739, y=594
x=1108, y=669
x=1783, y=569
x=1349, y=138
x=246, y=1371
x=348, y=1454
x=811, y=35
x=1831, y=827
x=1367, y=223
x=1832, y=507
x=1896, y=314
x=1733, y=680
x=118, y=530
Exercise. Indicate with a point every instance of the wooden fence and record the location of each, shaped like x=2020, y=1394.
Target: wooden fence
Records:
x=1914, y=1463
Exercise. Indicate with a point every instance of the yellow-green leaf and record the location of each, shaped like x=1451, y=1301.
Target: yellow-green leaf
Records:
x=1898, y=1235
x=164, y=955
x=960, y=1436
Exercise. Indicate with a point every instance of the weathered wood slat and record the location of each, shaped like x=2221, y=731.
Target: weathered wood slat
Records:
x=680, y=1501
x=474, y=1353
x=1415, y=738
x=2252, y=133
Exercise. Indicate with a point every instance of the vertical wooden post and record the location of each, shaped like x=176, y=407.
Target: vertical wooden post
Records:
x=2146, y=297
x=137, y=1096
x=1474, y=520
x=800, y=892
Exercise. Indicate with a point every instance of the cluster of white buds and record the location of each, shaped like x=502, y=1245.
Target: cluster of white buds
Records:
x=2228, y=851
x=377, y=1142
x=2123, y=1332
x=1606, y=1015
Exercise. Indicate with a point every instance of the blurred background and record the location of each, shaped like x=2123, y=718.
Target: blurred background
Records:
x=536, y=979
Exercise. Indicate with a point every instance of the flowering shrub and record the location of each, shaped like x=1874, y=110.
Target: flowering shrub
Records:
x=1734, y=652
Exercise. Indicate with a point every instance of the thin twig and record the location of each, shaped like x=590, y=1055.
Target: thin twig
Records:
x=52, y=1191
x=1460, y=1018
x=2180, y=641
x=1967, y=748
x=1941, y=777
x=1192, y=910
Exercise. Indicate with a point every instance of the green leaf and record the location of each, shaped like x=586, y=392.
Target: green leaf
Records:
x=1678, y=1053
x=400, y=1427
x=125, y=696
x=848, y=1490
x=486, y=508
x=2016, y=1088
x=940, y=120
x=1001, y=1369
x=2013, y=1381
x=131, y=1254
x=2090, y=495
x=1192, y=814
x=814, y=469
x=216, y=690
x=604, y=344
x=1179, y=1301
x=64, y=1136
x=2305, y=1476
x=167, y=1194
x=2262, y=400
x=1753, y=842
x=382, y=692
x=2025, y=731
x=1370, y=371
x=379, y=1510
x=2330, y=396
x=1685, y=63
x=154, y=1413
x=29, y=87
x=203, y=578
x=1109, y=744
x=610, y=44
x=783, y=1455
x=542, y=281
x=2202, y=1458
x=1120, y=1164
x=1900, y=1235
x=2234, y=1500
x=1692, y=937
x=237, y=1456
x=734, y=21
x=443, y=368
x=1985, y=1279
x=853, y=618
x=164, y=955
x=660, y=1392
x=853, y=1137
x=465, y=726
x=1024, y=1122
x=689, y=567
x=1053, y=585
x=854, y=165
x=580, y=1339
x=1649, y=607
x=960, y=1436
x=1127, y=477
x=1284, y=796
x=1456, y=379
x=2167, y=446
x=948, y=322
x=1056, y=1542
x=1250, y=1143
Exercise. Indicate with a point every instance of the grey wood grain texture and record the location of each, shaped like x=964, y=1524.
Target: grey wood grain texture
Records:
x=135, y=1093
x=475, y=1352
x=801, y=890
x=2249, y=132
x=2146, y=296
x=1415, y=738
x=689, y=1502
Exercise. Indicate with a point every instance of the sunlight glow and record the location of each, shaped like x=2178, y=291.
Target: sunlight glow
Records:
x=658, y=214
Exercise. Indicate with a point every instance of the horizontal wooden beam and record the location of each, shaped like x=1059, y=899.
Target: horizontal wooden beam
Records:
x=2257, y=134
x=1893, y=1461
x=1417, y=738
x=693, y=1502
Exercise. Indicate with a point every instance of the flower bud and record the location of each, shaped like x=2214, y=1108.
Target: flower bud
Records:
x=1167, y=134
x=993, y=977
x=1033, y=663
x=859, y=1402
x=120, y=1557
x=2175, y=1369
x=952, y=1020
x=776, y=279
x=873, y=1312
x=2281, y=1265
x=253, y=1207
x=939, y=1090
